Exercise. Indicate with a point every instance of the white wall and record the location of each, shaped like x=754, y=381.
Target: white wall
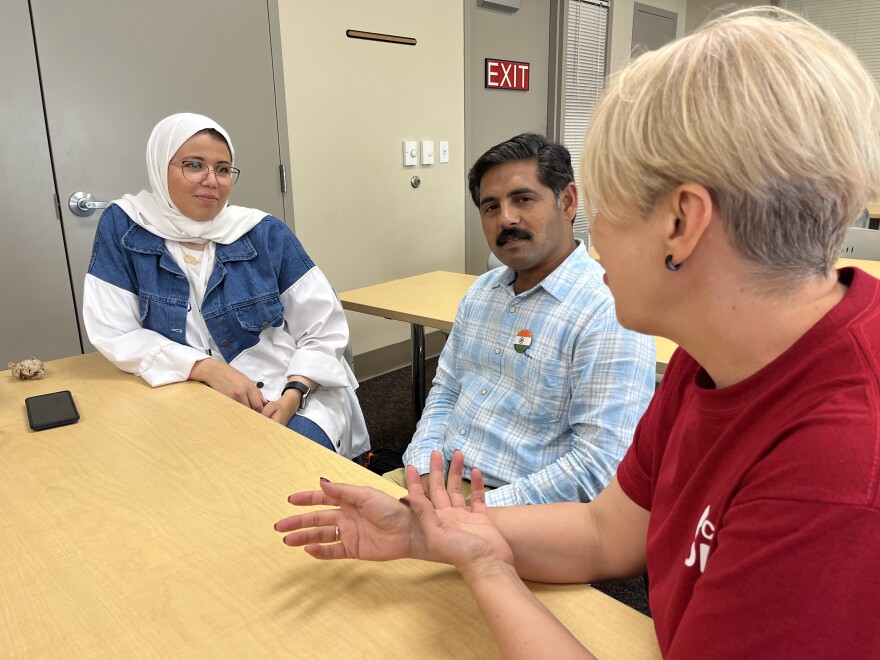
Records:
x=621, y=27
x=350, y=104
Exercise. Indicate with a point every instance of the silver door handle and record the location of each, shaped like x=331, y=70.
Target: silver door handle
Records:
x=83, y=204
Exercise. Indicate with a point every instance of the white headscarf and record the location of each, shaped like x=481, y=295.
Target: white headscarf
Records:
x=155, y=212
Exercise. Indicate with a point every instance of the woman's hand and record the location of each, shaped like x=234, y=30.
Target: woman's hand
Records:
x=283, y=410
x=457, y=532
x=229, y=381
x=372, y=525
x=375, y=526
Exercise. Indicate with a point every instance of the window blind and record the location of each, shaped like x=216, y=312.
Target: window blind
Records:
x=855, y=22
x=586, y=32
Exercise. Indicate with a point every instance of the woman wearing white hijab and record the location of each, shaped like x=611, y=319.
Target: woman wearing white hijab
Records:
x=182, y=286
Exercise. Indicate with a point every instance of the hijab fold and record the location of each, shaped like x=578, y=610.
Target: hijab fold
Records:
x=154, y=211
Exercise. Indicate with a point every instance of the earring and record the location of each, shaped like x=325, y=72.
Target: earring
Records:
x=670, y=265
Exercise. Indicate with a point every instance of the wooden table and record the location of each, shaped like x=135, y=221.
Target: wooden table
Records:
x=424, y=300
x=873, y=216
x=146, y=530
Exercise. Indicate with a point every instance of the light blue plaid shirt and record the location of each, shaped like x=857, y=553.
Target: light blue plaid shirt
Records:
x=551, y=423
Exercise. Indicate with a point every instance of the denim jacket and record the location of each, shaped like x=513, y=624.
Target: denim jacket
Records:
x=243, y=297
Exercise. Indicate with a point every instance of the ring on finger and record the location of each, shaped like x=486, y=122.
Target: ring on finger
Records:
x=337, y=533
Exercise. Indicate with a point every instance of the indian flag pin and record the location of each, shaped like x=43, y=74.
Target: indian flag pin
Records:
x=522, y=341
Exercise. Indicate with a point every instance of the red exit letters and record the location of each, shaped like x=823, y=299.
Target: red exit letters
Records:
x=504, y=74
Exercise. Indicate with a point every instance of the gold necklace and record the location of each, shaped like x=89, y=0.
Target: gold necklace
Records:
x=192, y=261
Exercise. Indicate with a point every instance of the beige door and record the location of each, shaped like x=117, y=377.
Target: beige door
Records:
x=110, y=70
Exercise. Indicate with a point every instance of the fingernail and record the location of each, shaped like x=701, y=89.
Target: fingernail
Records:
x=326, y=480
x=404, y=500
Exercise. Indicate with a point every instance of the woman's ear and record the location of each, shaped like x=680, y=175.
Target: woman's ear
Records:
x=690, y=209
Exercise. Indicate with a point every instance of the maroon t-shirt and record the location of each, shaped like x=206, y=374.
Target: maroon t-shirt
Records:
x=764, y=536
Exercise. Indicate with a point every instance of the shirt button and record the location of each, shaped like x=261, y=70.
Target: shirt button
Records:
x=483, y=392
x=265, y=325
x=260, y=384
x=225, y=343
x=512, y=309
x=497, y=351
x=462, y=431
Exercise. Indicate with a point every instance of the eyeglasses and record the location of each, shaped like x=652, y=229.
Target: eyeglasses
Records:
x=196, y=171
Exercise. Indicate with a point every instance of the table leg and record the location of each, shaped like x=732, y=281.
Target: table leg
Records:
x=418, y=370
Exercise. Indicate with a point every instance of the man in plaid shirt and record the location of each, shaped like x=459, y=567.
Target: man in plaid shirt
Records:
x=538, y=384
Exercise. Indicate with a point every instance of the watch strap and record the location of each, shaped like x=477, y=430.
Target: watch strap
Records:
x=302, y=387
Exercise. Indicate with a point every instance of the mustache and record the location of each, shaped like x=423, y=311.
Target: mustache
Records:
x=510, y=234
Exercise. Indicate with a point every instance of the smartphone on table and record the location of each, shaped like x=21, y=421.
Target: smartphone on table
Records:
x=47, y=411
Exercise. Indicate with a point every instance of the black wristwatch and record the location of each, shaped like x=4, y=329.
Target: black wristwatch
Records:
x=302, y=387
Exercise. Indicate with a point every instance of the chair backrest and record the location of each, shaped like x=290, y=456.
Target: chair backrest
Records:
x=861, y=244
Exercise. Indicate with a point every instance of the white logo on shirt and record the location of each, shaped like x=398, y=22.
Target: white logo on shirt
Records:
x=705, y=532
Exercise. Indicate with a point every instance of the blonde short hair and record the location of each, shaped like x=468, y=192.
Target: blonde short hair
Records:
x=778, y=119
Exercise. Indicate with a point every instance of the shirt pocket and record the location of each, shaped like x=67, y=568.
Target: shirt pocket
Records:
x=167, y=317
x=544, y=388
x=261, y=314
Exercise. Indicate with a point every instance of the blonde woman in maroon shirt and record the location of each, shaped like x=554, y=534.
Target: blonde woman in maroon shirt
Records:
x=725, y=168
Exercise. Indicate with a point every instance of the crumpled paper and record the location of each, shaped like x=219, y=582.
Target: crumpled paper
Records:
x=30, y=369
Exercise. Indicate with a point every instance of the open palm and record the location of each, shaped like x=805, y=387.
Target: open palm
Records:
x=456, y=533
x=375, y=526
x=372, y=525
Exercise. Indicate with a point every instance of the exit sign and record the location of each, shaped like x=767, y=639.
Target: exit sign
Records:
x=504, y=74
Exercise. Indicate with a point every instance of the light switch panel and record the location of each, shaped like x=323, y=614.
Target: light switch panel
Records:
x=427, y=152
x=443, y=155
x=410, y=153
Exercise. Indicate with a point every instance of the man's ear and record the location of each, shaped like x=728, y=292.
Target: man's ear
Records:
x=568, y=201
x=688, y=209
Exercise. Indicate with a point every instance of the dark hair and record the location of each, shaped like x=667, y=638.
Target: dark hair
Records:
x=553, y=160
x=214, y=133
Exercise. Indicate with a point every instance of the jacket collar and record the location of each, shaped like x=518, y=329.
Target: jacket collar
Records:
x=138, y=239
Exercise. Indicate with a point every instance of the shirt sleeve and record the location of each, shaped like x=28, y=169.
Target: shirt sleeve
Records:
x=112, y=320
x=314, y=318
x=432, y=427
x=111, y=314
x=612, y=380
x=787, y=579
